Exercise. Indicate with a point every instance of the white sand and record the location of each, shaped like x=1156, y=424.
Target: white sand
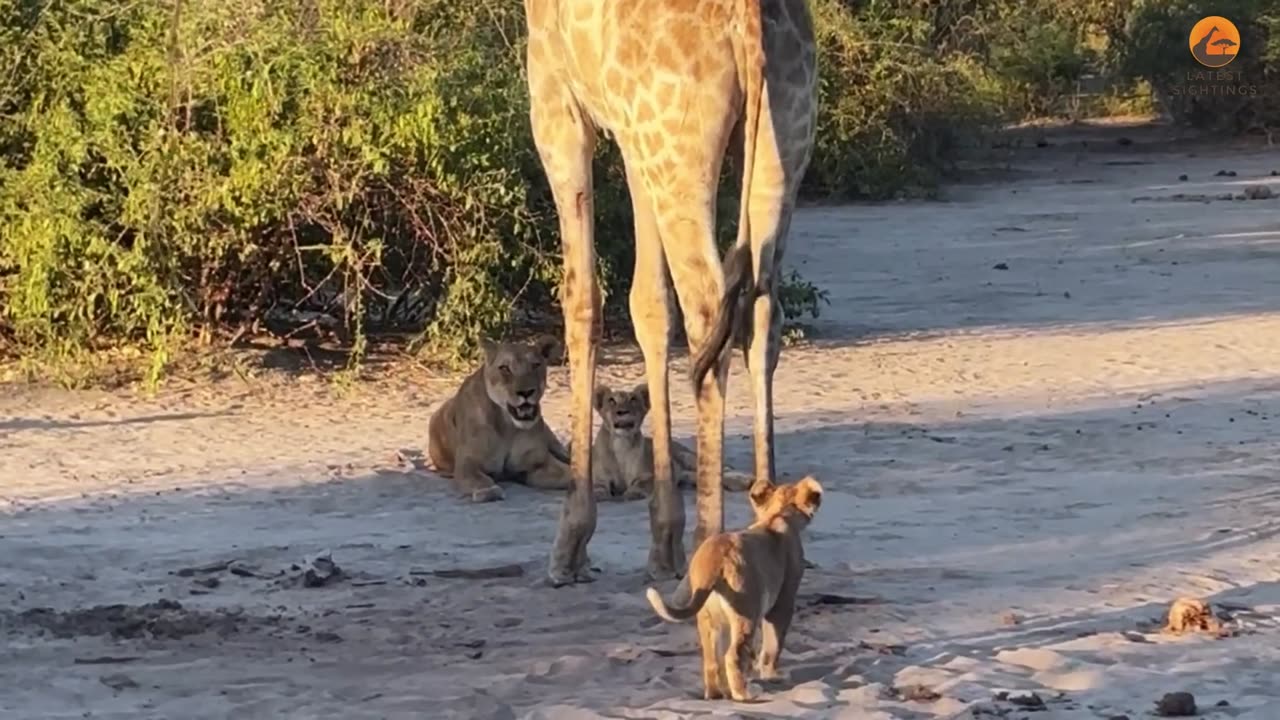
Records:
x=989, y=445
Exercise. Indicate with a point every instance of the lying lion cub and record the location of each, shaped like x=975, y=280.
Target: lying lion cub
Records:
x=492, y=428
x=622, y=456
x=744, y=579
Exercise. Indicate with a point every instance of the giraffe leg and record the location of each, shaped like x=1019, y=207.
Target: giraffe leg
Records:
x=763, y=336
x=687, y=227
x=651, y=316
x=565, y=139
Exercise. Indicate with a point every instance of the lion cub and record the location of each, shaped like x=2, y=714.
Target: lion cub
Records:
x=747, y=579
x=492, y=428
x=622, y=456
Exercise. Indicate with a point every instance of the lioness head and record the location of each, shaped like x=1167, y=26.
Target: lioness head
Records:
x=622, y=411
x=515, y=376
x=803, y=497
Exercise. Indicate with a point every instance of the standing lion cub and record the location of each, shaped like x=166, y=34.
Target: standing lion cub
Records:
x=747, y=579
x=622, y=455
x=492, y=428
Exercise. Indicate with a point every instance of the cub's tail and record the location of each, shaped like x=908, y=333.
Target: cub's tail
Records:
x=677, y=614
x=701, y=579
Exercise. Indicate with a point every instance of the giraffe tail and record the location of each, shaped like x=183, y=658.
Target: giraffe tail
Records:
x=738, y=265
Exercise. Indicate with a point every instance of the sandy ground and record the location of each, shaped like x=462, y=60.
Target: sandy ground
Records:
x=1042, y=411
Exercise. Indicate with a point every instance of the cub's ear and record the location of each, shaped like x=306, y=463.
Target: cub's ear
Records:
x=548, y=346
x=642, y=391
x=490, y=349
x=601, y=396
x=809, y=494
x=760, y=493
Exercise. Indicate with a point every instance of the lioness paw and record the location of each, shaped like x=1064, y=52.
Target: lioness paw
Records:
x=489, y=494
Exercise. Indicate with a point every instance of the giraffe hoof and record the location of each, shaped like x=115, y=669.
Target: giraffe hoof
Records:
x=659, y=573
x=559, y=580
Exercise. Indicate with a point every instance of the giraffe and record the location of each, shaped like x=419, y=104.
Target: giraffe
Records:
x=674, y=82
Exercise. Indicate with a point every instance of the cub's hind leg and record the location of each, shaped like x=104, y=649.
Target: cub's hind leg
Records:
x=709, y=639
x=736, y=656
x=773, y=634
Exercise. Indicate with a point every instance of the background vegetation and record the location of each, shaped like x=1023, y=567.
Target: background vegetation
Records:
x=175, y=172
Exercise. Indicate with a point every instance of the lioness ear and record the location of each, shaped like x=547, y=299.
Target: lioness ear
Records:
x=601, y=395
x=642, y=392
x=548, y=346
x=489, y=347
x=809, y=494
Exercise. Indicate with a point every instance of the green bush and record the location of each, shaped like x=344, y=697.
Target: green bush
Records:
x=171, y=172
x=892, y=109
x=178, y=171
x=1152, y=44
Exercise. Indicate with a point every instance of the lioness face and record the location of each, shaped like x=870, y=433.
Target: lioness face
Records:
x=803, y=496
x=515, y=376
x=623, y=411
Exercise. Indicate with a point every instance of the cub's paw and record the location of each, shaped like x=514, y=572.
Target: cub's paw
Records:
x=751, y=694
x=600, y=492
x=492, y=493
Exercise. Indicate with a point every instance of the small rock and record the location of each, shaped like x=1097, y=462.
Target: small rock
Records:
x=1183, y=178
x=1225, y=173
x=917, y=693
x=118, y=681
x=1258, y=192
x=1222, y=703
x=1000, y=266
x=323, y=571
x=328, y=637
x=1030, y=700
x=209, y=582
x=240, y=569
x=1177, y=704
x=507, y=622
x=1118, y=717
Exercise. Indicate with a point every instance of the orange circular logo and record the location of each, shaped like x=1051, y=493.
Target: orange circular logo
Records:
x=1214, y=41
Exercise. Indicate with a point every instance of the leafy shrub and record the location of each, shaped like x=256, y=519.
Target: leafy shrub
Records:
x=892, y=110
x=1152, y=44
x=175, y=170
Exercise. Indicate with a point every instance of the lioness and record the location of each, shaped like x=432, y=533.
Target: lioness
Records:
x=744, y=579
x=622, y=455
x=492, y=428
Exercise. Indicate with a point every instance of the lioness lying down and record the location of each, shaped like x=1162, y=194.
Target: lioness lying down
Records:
x=492, y=428
x=747, y=579
x=622, y=456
